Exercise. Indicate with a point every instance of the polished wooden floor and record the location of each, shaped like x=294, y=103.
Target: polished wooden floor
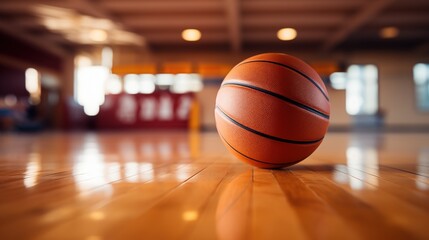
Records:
x=180, y=185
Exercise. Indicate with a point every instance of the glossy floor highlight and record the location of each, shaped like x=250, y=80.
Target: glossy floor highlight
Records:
x=185, y=185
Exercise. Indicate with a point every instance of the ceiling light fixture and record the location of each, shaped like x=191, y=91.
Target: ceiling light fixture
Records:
x=286, y=34
x=191, y=35
x=389, y=32
x=83, y=29
x=98, y=35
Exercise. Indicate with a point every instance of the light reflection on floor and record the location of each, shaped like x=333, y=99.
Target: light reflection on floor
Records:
x=422, y=182
x=97, y=179
x=135, y=158
x=32, y=171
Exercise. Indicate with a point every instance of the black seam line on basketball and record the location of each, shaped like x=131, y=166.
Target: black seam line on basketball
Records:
x=263, y=134
x=295, y=70
x=281, y=97
x=242, y=154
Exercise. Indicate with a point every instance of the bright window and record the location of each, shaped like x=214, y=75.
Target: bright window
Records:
x=147, y=83
x=113, y=84
x=132, y=83
x=421, y=81
x=338, y=80
x=186, y=83
x=33, y=84
x=362, y=90
x=89, y=87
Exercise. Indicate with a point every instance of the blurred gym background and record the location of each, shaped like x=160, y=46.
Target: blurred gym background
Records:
x=157, y=64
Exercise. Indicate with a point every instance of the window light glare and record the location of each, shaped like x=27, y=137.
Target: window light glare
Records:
x=32, y=81
x=147, y=83
x=421, y=81
x=90, y=85
x=191, y=35
x=420, y=74
x=91, y=109
x=107, y=57
x=362, y=89
x=113, y=84
x=164, y=79
x=287, y=34
x=338, y=80
x=131, y=84
x=184, y=83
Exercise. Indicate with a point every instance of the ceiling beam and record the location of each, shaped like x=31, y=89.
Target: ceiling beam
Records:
x=324, y=20
x=233, y=13
x=371, y=9
x=127, y=6
x=96, y=10
x=15, y=7
x=43, y=44
x=90, y=8
x=307, y=5
x=28, y=6
x=171, y=22
x=402, y=19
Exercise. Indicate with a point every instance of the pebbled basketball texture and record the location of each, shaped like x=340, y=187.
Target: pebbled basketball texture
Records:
x=272, y=110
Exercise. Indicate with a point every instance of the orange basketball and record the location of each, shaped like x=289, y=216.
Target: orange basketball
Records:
x=272, y=110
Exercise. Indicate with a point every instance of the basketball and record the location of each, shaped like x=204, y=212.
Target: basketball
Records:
x=272, y=110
